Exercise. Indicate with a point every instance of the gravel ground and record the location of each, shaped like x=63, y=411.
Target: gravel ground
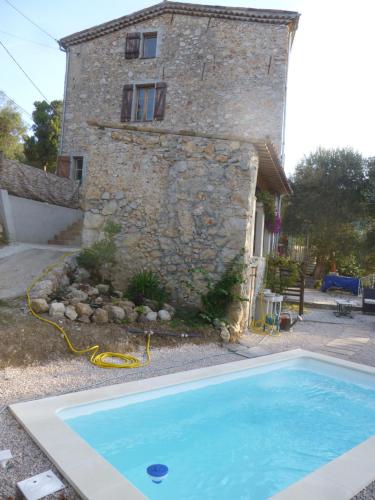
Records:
x=71, y=374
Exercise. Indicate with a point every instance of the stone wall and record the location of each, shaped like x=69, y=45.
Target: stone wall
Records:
x=35, y=184
x=223, y=76
x=183, y=202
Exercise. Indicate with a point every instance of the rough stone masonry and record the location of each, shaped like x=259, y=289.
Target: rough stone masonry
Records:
x=183, y=202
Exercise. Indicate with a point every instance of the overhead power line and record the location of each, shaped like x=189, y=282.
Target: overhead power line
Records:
x=24, y=72
x=29, y=41
x=16, y=104
x=30, y=20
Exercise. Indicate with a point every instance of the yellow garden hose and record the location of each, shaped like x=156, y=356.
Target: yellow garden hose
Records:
x=96, y=358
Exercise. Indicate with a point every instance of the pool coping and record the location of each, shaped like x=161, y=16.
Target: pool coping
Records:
x=96, y=479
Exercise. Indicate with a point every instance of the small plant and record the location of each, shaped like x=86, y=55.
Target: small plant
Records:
x=145, y=284
x=220, y=295
x=282, y=273
x=269, y=208
x=101, y=255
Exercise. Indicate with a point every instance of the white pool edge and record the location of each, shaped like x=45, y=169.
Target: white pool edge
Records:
x=95, y=479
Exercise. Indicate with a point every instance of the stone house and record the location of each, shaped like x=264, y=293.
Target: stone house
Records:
x=173, y=117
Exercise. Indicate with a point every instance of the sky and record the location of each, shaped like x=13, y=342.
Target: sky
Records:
x=331, y=85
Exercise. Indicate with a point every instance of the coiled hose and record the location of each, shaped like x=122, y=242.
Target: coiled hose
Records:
x=101, y=359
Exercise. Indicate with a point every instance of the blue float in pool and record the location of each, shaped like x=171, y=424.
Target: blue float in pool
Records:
x=157, y=472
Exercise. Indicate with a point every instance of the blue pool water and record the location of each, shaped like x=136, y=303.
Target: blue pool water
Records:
x=242, y=438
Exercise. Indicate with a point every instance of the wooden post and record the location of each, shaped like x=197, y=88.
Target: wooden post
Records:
x=302, y=288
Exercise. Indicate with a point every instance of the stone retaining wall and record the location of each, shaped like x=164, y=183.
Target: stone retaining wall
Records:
x=183, y=202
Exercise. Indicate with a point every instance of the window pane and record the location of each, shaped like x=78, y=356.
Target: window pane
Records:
x=78, y=167
x=150, y=103
x=141, y=103
x=149, y=46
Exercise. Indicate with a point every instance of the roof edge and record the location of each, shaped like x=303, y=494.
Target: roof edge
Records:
x=267, y=16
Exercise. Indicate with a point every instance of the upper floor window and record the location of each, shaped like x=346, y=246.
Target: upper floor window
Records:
x=140, y=45
x=78, y=168
x=143, y=102
x=149, y=45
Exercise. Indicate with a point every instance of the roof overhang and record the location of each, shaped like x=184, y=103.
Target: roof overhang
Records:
x=271, y=172
x=267, y=16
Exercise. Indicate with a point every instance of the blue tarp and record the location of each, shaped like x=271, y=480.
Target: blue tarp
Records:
x=343, y=282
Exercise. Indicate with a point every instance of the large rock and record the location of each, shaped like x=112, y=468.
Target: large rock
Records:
x=39, y=305
x=130, y=314
x=42, y=290
x=115, y=313
x=164, y=315
x=126, y=304
x=169, y=308
x=151, y=316
x=77, y=294
x=71, y=313
x=152, y=304
x=82, y=275
x=100, y=316
x=83, y=309
x=102, y=288
x=57, y=310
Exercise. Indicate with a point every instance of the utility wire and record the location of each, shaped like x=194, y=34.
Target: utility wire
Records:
x=32, y=22
x=16, y=104
x=29, y=41
x=24, y=72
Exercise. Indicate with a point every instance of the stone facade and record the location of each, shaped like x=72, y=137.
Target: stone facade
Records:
x=223, y=76
x=183, y=202
x=184, y=199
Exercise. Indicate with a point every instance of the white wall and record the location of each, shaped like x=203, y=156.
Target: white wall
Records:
x=37, y=222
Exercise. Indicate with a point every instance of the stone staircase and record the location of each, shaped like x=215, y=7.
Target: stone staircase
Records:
x=69, y=237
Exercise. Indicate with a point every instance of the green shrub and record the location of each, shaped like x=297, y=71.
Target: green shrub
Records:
x=220, y=295
x=100, y=256
x=145, y=284
x=281, y=273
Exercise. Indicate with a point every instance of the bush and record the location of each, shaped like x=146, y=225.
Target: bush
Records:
x=101, y=255
x=281, y=273
x=220, y=295
x=145, y=284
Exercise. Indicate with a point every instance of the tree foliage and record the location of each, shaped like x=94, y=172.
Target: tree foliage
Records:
x=42, y=147
x=329, y=204
x=12, y=130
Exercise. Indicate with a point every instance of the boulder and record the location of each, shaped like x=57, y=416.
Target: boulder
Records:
x=100, y=316
x=99, y=301
x=84, y=319
x=77, y=294
x=130, y=314
x=39, y=305
x=151, y=316
x=117, y=293
x=169, y=308
x=152, y=304
x=164, y=315
x=224, y=334
x=42, y=290
x=71, y=313
x=83, y=309
x=102, y=288
x=57, y=310
x=115, y=313
x=92, y=291
x=126, y=304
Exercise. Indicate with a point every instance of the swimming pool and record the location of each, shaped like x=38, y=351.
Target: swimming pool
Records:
x=245, y=430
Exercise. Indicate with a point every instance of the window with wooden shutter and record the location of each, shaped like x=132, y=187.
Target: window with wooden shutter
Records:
x=133, y=41
x=160, y=95
x=127, y=99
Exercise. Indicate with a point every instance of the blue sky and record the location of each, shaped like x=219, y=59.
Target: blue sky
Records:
x=331, y=78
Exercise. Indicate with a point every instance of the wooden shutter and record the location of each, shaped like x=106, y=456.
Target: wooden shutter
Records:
x=63, y=166
x=161, y=92
x=126, y=108
x=133, y=42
